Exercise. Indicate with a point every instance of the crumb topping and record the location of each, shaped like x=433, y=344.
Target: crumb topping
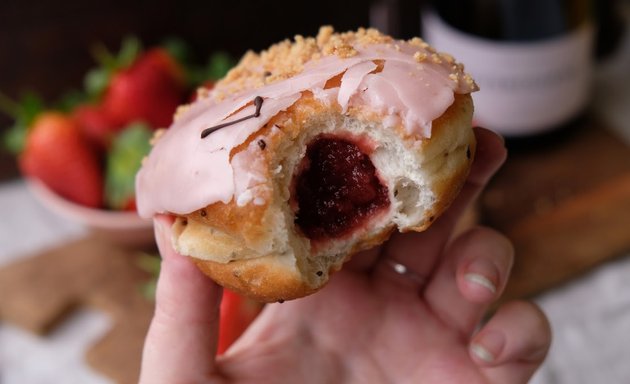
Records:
x=156, y=135
x=420, y=56
x=286, y=59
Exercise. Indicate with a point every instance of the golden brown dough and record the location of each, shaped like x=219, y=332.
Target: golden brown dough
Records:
x=257, y=251
x=331, y=144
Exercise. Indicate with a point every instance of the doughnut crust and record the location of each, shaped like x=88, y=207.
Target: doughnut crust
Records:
x=256, y=249
x=308, y=153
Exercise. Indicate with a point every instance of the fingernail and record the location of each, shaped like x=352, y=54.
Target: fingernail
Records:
x=488, y=345
x=482, y=281
x=482, y=353
x=484, y=274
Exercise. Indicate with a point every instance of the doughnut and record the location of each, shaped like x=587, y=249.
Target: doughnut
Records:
x=307, y=153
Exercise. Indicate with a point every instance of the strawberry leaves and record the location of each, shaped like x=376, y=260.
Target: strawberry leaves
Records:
x=123, y=161
x=23, y=113
x=97, y=79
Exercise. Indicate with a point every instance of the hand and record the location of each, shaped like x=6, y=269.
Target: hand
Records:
x=370, y=323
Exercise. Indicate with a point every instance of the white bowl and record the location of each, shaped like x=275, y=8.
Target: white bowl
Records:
x=122, y=227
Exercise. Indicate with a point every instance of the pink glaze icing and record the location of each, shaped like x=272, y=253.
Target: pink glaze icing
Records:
x=184, y=173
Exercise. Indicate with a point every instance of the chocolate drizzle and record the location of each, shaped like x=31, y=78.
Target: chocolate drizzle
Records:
x=258, y=102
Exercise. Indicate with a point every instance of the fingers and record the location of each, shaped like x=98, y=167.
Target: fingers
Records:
x=181, y=342
x=363, y=260
x=472, y=274
x=513, y=344
x=489, y=156
x=419, y=251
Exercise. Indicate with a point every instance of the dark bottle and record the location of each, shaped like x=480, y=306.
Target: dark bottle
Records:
x=532, y=59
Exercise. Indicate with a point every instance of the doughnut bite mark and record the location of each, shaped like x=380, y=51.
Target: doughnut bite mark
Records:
x=337, y=189
x=359, y=135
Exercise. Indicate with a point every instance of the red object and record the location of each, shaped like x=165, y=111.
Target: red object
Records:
x=237, y=313
x=150, y=90
x=96, y=124
x=208, y=84
x=58, y=155
x=130, y=205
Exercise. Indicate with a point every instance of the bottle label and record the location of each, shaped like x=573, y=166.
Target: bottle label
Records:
x=525, y=87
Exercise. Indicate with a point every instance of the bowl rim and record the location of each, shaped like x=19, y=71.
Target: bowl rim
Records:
x=92, y=217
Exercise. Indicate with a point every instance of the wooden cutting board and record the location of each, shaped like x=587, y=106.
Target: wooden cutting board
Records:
x=565, y=203
x=40, y=291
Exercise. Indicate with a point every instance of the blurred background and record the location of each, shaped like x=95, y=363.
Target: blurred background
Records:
x=46, y=47
x=563, y=197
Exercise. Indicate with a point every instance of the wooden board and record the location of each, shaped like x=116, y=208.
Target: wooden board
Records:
x=565, y=203
x=38, y=292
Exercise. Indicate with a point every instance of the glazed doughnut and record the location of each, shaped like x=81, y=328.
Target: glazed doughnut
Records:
x=307, y=153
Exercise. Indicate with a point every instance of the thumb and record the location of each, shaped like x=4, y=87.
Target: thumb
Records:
x=181, y=342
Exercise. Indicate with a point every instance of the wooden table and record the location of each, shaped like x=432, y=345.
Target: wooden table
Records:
x=565, y=203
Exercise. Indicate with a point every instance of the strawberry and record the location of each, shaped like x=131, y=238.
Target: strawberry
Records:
x=149, y=90
x=96, y=124
x=130, y=205
x=237, y=313
x=23, y=113
x=56, y=153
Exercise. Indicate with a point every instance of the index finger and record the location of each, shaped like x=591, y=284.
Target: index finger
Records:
x=181, y=342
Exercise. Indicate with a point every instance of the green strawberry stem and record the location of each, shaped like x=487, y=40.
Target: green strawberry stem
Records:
x=23, y=114
x=130, y=48
x=216, y=67
x=219, y=65
x=97, y=79
x=124, y=159
x=129, y=51
x=179, y=50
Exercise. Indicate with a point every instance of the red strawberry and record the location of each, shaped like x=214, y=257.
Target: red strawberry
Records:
x=96, y=124
x=130, y=205
x=208, y=84
x=237, y=313
x=58, y=155
x=149, y=90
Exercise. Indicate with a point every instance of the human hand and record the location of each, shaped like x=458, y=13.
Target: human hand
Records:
x=373, y=322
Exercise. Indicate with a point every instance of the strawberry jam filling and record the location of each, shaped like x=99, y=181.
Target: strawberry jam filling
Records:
x=337, y=189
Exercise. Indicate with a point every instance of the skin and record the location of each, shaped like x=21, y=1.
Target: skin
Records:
x=369, y=324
